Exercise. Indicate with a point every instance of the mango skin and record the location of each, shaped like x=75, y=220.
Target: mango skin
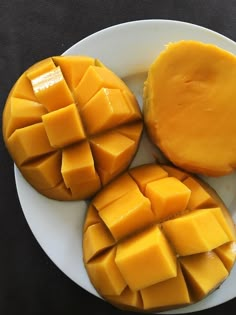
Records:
x=125, y=238
x=61, y=122
x=189, y=107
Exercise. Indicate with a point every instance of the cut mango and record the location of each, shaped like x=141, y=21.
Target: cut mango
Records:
x=200, y=228
x=106, y=276
x=168, y=196
x=64, y=126
x=189, y=110
x=148, y=249
x=145, y=250
x=204, y=273
x=172, y=292
x=71, y=105
x=130, y=212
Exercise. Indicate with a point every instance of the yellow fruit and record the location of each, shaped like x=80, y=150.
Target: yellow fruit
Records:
x=189, y=107
x=157, y=238
x=71, y=125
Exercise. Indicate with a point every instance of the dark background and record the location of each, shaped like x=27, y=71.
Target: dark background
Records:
x=32, y=30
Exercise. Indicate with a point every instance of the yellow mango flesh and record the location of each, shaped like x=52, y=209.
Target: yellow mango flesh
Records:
x=189, y=106
x=168, y=196
x=163, y=261
x=200, y=227
x=80, y=110
x=203, y=272
x=227, y=254
x=148, y=250
x=170, y=293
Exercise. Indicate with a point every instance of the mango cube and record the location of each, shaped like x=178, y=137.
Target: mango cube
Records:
x=112, y=110
x=168, y=196
x=130, y=212
x=199, y=198
x=73, y=68
x=106, y=276
x=77, y=170
x=227, y=254
x=204, y=272
x=147, y=173
x=145, y=259
x=45, y=171
x=51, y=90
x=112, y=151
x=94, y=79
x=22, y=143
x=22, y=113
x=200, y=228
x=114, y=190
x=172, y=292
x=63, y=126
x=96, y=240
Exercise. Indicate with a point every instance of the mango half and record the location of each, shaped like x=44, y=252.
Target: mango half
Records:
x=71, y=125
x=190, y=107
x=157, y=238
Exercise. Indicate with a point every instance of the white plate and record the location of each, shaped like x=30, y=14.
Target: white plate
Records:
x=128, y=49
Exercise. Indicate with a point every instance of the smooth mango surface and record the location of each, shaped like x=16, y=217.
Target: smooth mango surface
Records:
x=71, y=125
x=189, y=106
x=156, y=238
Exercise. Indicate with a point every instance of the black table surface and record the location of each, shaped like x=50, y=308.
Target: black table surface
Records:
x=30, y=283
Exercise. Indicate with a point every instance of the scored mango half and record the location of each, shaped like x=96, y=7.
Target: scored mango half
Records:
x=71, y=125
x=157, y=238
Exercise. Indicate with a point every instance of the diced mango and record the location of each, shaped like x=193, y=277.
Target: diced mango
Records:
x=134, y=110
x=227, y=254
x=112, y=151
x=168, y=196
x=175, y=172
x=113, y=191
x=23, y=113
x=23, y=89
x=94, y=79
x=92, y=217
x=172, y=292
x=200, y=228
x=63, y=126
x=204, y=272
x=199, y=198
x=59, y=192
x=130, y=212
x=40, y=68
x=127, y=299
x=147, y=173
x=146, y=259
x=112, y=111
x=51, y=90
x=164, y=265
x=44, y=173
x=73, y=67
x=96, y=239
x=224, y=222
x=86, y=188
x=22, y=144
x=132, y=131
x=106, y=276
x=109, y=126
x=77, y=170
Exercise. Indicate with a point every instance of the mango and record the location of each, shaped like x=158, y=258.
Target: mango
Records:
x=157, y=238
x=189, y=106
x=71, y=126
